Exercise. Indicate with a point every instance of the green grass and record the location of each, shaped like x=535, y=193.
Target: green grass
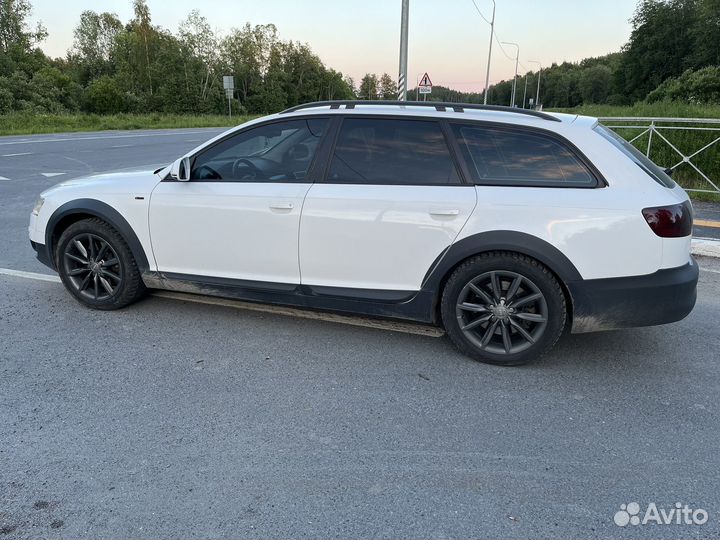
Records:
x=26, y=124
x=660, y=109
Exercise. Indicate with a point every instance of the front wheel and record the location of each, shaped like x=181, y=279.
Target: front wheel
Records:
x=503, y=308
x=97, y=267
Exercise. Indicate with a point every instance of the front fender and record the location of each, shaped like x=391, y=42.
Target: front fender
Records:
x=102, y=211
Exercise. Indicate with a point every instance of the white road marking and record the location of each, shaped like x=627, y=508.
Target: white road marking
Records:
x=20, y=154
x=51, y=174
x=393, y=326
x=709, y=270
x=71, y=139
x=3, y=178
x=121, y=146
x=29, y=275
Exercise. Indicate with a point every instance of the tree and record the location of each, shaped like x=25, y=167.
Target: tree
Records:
x=368, y=87
x=104, y=96
x=595, y=84
x=200, y=54
x=388, y=88
x=95, y=37
x=660, y=45
x=14, y=33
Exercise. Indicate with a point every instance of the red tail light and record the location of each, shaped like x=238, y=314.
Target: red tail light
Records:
x=673, y=221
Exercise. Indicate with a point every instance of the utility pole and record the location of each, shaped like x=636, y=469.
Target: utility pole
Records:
x=517, y=59
x=487, y=71
x=537, y=95
x=402, y=77
x=525, y=92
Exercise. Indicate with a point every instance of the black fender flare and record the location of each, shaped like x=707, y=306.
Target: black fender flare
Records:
x=102, y=211
x=520, y=242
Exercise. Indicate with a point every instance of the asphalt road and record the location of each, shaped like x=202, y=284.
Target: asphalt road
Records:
x=182, y=420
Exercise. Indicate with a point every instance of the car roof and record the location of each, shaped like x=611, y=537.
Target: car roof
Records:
x=462, y=111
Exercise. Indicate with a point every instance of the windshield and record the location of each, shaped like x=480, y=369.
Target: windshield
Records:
x=641, y=160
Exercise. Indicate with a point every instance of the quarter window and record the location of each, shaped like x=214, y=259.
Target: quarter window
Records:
x=276, y=152
x=389, y=151
x=507, y=156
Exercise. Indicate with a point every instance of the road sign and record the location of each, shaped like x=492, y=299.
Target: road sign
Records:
x=229, y=86
x=425, y=89
x=425, y=81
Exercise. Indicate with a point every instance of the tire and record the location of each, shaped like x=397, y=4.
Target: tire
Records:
x=97, y=267
x=503, y=308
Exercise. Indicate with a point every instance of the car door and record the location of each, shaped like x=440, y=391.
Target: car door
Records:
x=392, y=200
x=238, y=215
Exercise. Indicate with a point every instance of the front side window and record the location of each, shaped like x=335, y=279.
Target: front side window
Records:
x=277, y=152
x=519, y=157
x=390, y=151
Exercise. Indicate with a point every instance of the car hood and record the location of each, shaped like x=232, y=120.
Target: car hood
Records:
x=125, y=181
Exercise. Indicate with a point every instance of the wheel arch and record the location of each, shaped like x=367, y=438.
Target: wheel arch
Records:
x=79, y=209
x=508, y=241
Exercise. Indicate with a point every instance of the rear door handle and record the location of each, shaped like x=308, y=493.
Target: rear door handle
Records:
x=281, y=206
x=447, y=212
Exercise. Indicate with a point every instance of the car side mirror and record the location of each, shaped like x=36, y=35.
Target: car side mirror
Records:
x=180, y=169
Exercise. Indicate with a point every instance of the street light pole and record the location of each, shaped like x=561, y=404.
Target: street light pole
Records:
x=537, y=95
x=524, y=92
x=402, y=77
x=517, y=59
x=487, y=72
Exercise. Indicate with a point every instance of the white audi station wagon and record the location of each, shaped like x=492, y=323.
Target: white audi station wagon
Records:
x=504, y=226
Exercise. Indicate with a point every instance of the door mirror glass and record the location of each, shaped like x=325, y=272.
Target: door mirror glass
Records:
x=180, y=169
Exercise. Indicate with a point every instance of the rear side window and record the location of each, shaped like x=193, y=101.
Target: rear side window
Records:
x=640, y=159
x=389, y=151
x=517, y=157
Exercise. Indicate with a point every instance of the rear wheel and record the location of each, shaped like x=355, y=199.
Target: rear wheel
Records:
x=97, y=267
x=503, y=308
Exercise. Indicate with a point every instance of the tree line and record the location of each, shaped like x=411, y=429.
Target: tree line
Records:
x=138, y=67
x=673, y=54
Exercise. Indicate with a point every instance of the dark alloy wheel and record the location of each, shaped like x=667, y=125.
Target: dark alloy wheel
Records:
x=96, y=265
x=502, y=312
x=92, y=267
x=503, y=308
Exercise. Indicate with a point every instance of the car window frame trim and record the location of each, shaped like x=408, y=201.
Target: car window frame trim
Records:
x=600, y=181
x=463, y=179
x=311, y=170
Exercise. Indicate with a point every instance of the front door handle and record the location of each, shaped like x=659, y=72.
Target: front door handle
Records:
x=444, y=212
x=281, y=206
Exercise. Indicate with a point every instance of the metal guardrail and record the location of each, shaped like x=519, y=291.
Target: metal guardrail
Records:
x=701, y=146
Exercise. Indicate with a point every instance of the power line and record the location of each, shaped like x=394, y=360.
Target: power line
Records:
x=480, y=12
x=497, y=39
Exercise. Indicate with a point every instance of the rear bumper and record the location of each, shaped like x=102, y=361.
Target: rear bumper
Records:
x=666, y=296
x=43, y=255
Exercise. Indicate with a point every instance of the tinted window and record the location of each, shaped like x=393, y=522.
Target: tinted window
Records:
x=640, y=159
x=277, y=152
x=499, y=155
x=377, y=151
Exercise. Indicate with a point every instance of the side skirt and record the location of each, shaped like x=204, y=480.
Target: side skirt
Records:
x=417, y=306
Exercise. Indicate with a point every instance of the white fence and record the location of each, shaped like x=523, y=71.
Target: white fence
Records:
x=686, y=146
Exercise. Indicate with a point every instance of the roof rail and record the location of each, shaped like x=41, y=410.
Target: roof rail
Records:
x=438, y=105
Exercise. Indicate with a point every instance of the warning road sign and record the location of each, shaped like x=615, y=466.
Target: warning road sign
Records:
x=425, y=81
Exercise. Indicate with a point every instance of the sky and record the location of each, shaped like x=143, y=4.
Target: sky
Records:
x=448, y=39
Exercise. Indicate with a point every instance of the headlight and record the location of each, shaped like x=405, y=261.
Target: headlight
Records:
x=38, y=206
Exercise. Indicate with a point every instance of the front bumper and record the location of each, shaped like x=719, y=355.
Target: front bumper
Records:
x=666, y=296
x=43, y=254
